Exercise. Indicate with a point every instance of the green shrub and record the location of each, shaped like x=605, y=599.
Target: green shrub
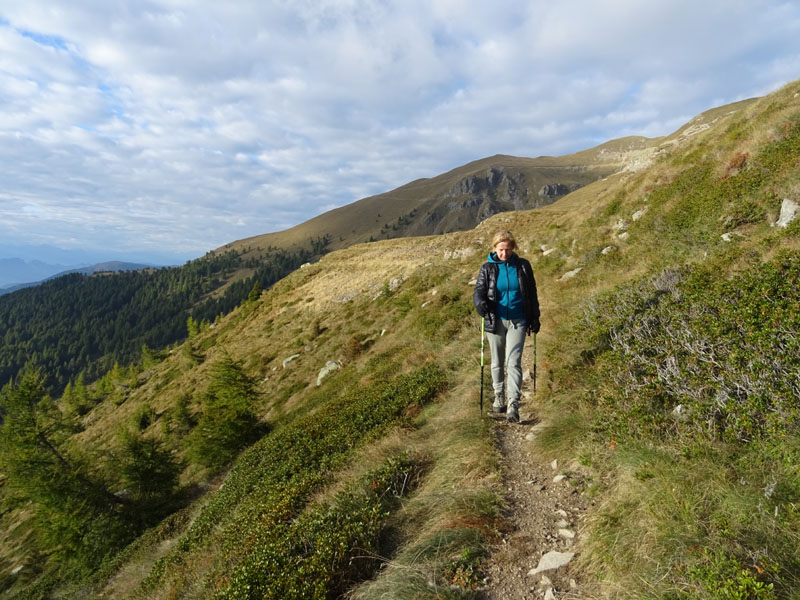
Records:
x=727, y=351
x=143, y=417
x=325, y=551
x=451, y=311
x=718, y=575
x=721, y=472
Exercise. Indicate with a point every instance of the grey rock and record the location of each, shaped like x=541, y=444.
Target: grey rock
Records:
x=608, y=249
x=551, y=561
x=789, y=211
x=289, y=359
x=570, y=274
x=567, y=534
x=553, y=189
x=730, y=236
x=329, y=368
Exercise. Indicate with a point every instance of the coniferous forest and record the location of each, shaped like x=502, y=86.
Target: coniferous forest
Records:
x=81, y=325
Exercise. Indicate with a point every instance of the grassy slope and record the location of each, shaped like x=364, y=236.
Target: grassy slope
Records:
x=339, y=309
x=672, y=523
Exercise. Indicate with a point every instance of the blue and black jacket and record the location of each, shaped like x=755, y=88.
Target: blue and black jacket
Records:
x=507, y=290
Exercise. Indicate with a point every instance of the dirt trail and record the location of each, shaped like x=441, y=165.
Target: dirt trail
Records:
x=545, y=507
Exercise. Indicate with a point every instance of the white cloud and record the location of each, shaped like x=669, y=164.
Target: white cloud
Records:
x=183, y=126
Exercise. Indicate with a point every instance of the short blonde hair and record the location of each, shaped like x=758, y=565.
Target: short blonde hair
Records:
x=504, y=235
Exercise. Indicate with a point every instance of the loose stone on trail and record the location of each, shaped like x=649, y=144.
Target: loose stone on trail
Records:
x=551, y=561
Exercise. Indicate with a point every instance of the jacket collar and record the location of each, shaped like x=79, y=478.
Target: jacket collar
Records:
x=512, y=260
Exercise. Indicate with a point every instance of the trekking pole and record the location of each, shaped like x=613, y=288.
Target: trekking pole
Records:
x=534, y=363
x=483, y=336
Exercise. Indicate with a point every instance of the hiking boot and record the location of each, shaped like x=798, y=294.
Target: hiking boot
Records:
x=513, y=413
x=499, y=404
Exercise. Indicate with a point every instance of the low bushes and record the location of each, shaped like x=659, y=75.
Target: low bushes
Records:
x=273, y=480
x=324, y=551
x=726, y=350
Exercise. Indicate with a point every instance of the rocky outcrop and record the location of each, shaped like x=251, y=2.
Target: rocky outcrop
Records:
x=456, y=205
x=554, y=190
x=495, y=184
x=477, y=184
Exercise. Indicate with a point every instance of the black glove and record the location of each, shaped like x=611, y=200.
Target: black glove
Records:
x=483, y=308
x=534, y=326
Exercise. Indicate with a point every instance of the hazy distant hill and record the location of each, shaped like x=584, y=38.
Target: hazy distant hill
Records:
x=110, y=266
x=15, y=271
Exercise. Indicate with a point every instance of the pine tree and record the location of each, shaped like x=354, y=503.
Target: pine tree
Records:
x=228, y=422
x=192, y=327
x=149, y=473
x=76, y=514
x=255, y=292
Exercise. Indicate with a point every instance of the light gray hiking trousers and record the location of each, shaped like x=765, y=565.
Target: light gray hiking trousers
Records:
x=506, y=347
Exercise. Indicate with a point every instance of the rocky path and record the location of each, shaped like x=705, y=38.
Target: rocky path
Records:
x=544, y=509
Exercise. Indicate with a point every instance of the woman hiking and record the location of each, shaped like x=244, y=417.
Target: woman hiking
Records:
x=505, y=296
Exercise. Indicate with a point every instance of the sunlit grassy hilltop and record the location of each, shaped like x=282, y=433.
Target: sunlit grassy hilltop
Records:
x=380, y=479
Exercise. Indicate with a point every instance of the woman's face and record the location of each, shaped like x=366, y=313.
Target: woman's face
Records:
x=504, y=250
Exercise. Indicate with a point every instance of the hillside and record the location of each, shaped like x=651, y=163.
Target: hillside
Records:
x=48, y=324
x=81, y=340
x=668, y=389
x=77, y=326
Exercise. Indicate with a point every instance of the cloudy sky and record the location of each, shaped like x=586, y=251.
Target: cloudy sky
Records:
x=166, y=128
